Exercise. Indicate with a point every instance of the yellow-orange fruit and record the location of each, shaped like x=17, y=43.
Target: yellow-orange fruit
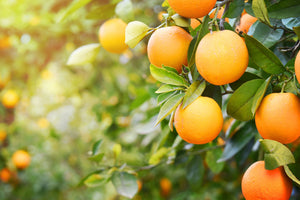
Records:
x=3, y=135
x=221, y=57
x=297, y=66
x=165, y=187
x=246, y=22
x=278, y=117
x=112, y=36
x=192, y=8
x=169, y=46
x=10, y=99
x=200, y=122
x=5, y=175
x=21, y=159
x=261, y=184
x=195, y=23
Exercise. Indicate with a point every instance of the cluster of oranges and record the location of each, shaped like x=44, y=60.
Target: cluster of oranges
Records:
x=221, y=58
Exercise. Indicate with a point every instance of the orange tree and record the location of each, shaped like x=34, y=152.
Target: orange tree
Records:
x=235, y=71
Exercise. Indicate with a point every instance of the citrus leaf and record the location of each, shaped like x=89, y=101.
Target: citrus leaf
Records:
x=247, y=76
x=156, y=157
x=125, y=183
x=259, y=95
x=291, y=22
x=87, y=176
x=96, y=147
x=135, y=31
x=284, y=9
x=211, y=159
x=232, y=128
x=260, y=11
x=193, y=92
x=238, y=141
x=96, y=180
x=164, y=97
x=168, y=88
x=169, y=107
x=170, y=69
x=263, y=57
x=240, y=103
x=84, y=54
x=97, y=158
x=77, y=4
x=171, y=121
x=213, y=91
x=297, y=31
x=124, y=10
x=180, y=21
x=235, y=9
x=290, y=174
x=276, y=154
x=167, y=77
x=195, y=170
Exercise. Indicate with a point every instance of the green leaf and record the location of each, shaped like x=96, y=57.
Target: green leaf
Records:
x=247, y=76
x=167, y=77
x=290, y=23
x=180, y=21
x=214, y=92
x=117, y=149
x=97, y=157
x=156, y=157
x=169, y=107
x=259, y=95
x=238, y=141
x=96, y=147
x=297, y=31
x=135, y=32
x=266, y=35
x=168, y=88
x=211, y=159
x=260, y=11
x=77, y=4
x=284, y=9
x=235, y=124
x=87, y=176
x=124, y=10
x=125, y=184
x=195, y=170
x=103, y=12
x=276, y=154
x=240, y=103
x=164, y=97
x=193, y=92
x=290, y=174
x=84, y=54
x=235, y=9
x=263, y=57
x=170, y=69
x=96, y=180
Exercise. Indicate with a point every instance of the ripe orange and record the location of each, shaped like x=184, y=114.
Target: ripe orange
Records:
x=10, y=99
x=246, y=22
x=5, y=175
x=3, y=135
x=278, y=117
x=21, y=159
x=112, y=36
x=219, y=15
x=195, y=23
x=5, y=42
x=262, y=184
x=169, y=46
x=192, y=8
x=221, y=57
x=297, y=66
x=200, y=122
x=165, y=187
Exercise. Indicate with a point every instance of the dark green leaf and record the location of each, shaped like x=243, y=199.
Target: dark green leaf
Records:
x=195, y=170
x=214, y=92
x=290, y=174
x=167, y=77
x=125, y=183
x=263, y=57
x=235, y=9
x=259, y=95
x=238, y=141
x=276, y=154
x=211, y=159
x=193, y=92
x=169, y=107
x=240, y=103
x=247, y=76
x=168, y=88
x=260, y=11
x=284, y=9
x=96, y=147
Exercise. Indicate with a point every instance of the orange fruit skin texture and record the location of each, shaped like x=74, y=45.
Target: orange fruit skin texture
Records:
x=112, y=36
x=192, y=8
x=21, y=159
x=261, y=184
x=297, y=66
x=10, y=99
x=246, y=22
x=200, y=122
x=278, y=117
x=221, y=57
x=169, y=46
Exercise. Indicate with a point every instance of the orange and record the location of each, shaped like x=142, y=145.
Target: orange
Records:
x=10, y=99
x=200, y=122
x=112, y=36
x=195, y=23
x=261, y=184
x=21, y=159
x=297, y=66
x=165, y=187
x=221, y=57
x=160, y=16
x=5, y=175
x=219, y=15
x=3, y=135
x=192, y=8
x=169, y=46
x=246, y=22
x=278, y=117
x=5, y=42
x=140, y=185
